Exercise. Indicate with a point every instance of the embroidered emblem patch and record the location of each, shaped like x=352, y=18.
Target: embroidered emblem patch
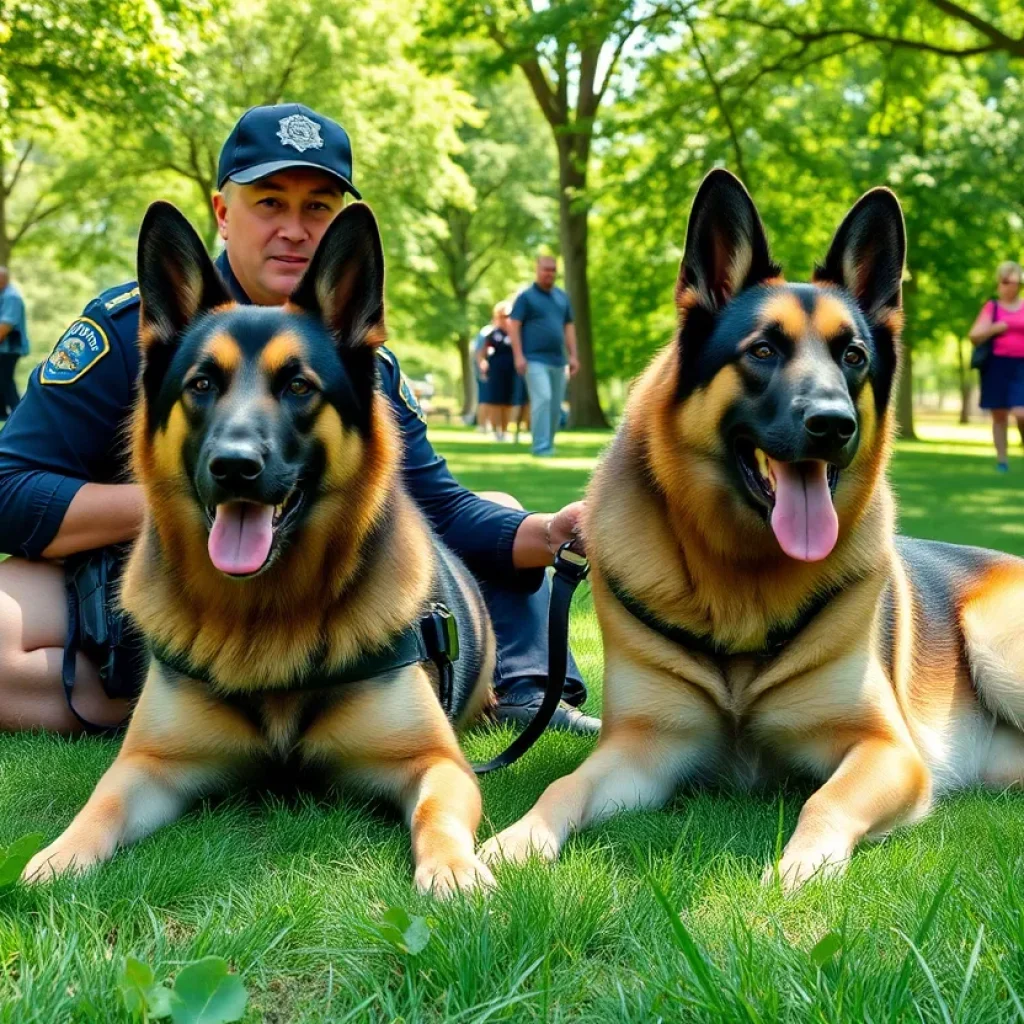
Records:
x=299, y=131
x=410, y=399
x=80, y=348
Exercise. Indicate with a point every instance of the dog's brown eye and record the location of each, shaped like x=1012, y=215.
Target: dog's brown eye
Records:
x=200, y=385
x=854, y=356
x=762, y=351
x=300, y=387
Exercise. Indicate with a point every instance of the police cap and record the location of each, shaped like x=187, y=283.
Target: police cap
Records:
x=270, y=139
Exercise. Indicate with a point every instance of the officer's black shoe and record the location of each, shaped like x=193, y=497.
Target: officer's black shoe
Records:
x=520, y=702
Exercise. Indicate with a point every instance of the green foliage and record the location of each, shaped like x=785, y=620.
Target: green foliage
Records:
x=203, y=992
x=809, y=126
x=14, y=857
x=143, y=997
x=476, y=239
x=458, y=111
x=117, y=54
x=407, y=934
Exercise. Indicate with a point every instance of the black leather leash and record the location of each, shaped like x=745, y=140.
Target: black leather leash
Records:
x=571, y=570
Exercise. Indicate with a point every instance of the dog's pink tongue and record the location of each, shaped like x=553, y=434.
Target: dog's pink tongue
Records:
x=241, y=536
x=804, y=519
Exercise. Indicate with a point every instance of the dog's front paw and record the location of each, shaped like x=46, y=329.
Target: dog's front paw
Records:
x=800, y=863
x=443, y=879
x=526, y=838
x=59, y=858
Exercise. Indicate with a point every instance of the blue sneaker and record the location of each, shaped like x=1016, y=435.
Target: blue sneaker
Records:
x=1002, y=467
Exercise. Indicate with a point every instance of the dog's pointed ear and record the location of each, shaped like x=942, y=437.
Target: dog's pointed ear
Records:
x=344, y=283
x=867, y=254
x=726, y=246
x=177, y=278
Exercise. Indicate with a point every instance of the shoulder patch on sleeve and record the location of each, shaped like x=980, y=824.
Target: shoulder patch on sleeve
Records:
x=124, y=300
x=80, y=348
x=410, y=399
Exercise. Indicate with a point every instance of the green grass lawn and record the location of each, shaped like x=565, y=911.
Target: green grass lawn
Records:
x=653, y=916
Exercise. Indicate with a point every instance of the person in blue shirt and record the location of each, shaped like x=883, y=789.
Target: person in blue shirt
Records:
x=65, y=477
x=543, y=338
x=14, y=342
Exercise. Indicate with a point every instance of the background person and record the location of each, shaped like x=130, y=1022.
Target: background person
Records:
x=484, y=412
x=543, y=340
x=14, y=342
x=503, y=387
x=1002, y=378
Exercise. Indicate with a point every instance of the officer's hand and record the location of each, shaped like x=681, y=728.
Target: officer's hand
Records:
x=567, y=524
x=484, y=367
x=521, y=366
x=574, y=366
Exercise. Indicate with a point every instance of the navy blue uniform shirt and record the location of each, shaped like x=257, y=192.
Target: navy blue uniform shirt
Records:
x=71, y=429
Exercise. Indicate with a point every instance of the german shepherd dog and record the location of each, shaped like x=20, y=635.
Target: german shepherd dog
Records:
x=757, y=608
x=280, y=548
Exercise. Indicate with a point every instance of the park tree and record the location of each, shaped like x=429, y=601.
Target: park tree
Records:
x=480, y=234
x=60, y=62
x=810, y=129
x=570, y=53
x=943, y=28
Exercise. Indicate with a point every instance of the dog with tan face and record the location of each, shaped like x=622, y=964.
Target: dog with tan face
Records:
x=759, y=612
x=283, y=576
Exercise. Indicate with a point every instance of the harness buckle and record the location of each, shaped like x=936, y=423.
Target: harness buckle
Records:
x=441, y=636
x=441, y=633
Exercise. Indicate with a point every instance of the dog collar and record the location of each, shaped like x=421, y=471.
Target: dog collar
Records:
x=778, y=637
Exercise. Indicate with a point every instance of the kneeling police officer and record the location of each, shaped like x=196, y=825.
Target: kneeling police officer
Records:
x=67, y=514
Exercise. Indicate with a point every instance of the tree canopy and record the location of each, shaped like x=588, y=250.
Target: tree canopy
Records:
x=484, y=132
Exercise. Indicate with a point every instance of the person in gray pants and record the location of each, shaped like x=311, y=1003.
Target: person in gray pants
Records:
x=543, y=340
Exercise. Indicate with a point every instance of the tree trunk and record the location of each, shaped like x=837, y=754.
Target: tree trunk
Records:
x=905, y=396
x=573, y=228
x=468, y=376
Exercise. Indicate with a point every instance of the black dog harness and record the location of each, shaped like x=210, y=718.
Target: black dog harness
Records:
x=778, y=637
x=435, y=640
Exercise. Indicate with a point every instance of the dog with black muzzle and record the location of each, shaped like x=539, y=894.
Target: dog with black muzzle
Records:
x=284, y=578
x=758, y=610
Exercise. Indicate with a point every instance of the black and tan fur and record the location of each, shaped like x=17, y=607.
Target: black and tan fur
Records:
x=352, y=562
x=901, y=671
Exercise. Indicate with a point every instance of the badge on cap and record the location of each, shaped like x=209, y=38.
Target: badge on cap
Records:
x=299, y=131
x=80, y=348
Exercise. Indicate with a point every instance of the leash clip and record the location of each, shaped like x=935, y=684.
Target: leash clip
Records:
x=570, y=564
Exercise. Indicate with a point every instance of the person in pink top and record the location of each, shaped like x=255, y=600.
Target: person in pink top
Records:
x=1002, y=378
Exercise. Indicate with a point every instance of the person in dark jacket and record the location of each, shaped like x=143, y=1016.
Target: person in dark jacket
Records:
x=65, y=480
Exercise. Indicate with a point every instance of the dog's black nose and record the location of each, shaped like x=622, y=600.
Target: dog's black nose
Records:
x=830, y=421
x=236, y=464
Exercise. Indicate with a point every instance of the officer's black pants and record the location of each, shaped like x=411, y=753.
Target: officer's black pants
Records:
x=8, y=391
x=521, y=629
